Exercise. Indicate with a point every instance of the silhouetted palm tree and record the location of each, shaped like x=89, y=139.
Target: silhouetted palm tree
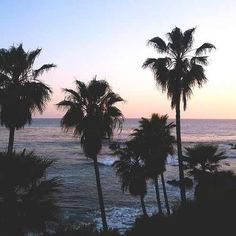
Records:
x=131, y=171
x=178, y=72
x=21, y=92
x=91, y=112
x=27, y=198
x=205, y=155
x=155, y=144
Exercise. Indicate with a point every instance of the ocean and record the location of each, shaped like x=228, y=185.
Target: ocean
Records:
x=78, y=196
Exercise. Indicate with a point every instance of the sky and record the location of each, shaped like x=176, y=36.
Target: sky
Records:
x=108, y=38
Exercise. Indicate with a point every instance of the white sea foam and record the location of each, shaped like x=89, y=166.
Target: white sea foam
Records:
x=107, y=160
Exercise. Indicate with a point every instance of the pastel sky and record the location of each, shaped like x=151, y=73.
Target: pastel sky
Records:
x=108, y=38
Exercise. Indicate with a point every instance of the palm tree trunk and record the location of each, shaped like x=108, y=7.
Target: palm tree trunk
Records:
x=100, y=195
x=158, y=195
x=165, y=194
x=11, y=140
x=203, y=168
x=179, y=148
x=143, y=206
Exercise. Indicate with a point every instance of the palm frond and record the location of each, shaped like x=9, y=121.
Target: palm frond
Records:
x=31, y=56
x=72, y=95
x=205, y=155
x=73, y=118
x=204, y=48
x=197, y=74
x=65, y=104
x=111, y=98
x=188, y=38
x=130, y=172
x=202, y=60
x=43, y=69
x=82, y=89
x=159, y=44
x=160, y=69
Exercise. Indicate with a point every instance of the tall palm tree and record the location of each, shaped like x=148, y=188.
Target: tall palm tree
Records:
x=27, y=197
x=92, y=114
x=21, y=92
x=155, y=144
x=205, y=155
x=131, y=172
x=181, y=68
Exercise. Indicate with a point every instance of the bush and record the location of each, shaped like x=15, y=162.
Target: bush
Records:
x=213, y=210
x=83, y=230
x=27, y=199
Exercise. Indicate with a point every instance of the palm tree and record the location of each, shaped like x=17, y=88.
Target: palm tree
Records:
x=178, y=72
x=155, y=144
x=91, y=112
x=21, y=92
x=27, y=199
x=131, y=172
x=205, y=155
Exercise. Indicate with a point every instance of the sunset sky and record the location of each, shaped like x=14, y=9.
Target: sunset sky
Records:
x=108, y=38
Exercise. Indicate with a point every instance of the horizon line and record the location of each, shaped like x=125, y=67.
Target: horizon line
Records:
x=170, y=118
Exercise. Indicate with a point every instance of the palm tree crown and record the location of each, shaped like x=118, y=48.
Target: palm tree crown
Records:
x=131, y=171
x=91, y=112
x=182, y=67
x=21, y=92
x=206, y=155
x=156, y=142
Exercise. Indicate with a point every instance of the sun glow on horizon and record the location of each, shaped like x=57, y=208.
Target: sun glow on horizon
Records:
x=108, y=39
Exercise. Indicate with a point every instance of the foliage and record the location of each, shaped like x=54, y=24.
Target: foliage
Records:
x=26, y=197
x=131, y=171
x=22, y=93
x=182, y=67
x=154, y=142
x=177, y=73
x=91, y=113
x=212, y=212
x=206, y=155
x=83, y=230
x=216, y=187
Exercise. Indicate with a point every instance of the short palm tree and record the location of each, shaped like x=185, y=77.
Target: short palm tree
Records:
x=205, y=155
x=92, y=114
x=27, y=197
x=21, y=92
x=155, y=144
x=131, y=171
x=181, y=68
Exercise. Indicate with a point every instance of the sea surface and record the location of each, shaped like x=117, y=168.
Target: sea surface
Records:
x=78, y=196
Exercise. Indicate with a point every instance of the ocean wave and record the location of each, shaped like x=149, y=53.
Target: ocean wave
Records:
x=107, y=160
x=172, y=160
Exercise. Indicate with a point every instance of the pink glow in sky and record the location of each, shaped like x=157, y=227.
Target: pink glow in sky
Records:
x=108, y=39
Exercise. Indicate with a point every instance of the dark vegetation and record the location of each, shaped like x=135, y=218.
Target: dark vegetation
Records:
x=27, y=200
x=92, y=113
x=27, y=196
x=177, y=73
x=211, y=213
